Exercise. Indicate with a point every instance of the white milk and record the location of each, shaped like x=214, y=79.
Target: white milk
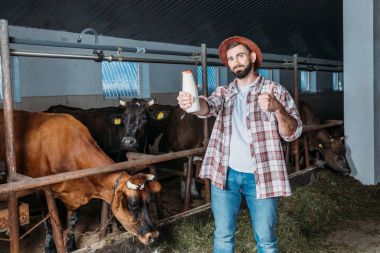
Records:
x=188, y=85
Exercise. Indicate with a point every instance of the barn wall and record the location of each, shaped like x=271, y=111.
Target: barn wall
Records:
x=78, y=83
x=45, y=82
x=326, y=103
x=376, y=95
x=361, y=104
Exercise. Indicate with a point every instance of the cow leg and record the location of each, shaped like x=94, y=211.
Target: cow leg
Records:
x=55, y=227
x=193, y=190
x=49, y=241
x=105, y=223
x=183, y=183
x=72, y=219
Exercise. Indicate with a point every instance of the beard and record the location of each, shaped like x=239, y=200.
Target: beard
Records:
x=240, y=74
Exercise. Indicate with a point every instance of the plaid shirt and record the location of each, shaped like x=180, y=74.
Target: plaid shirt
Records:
x=265, y=142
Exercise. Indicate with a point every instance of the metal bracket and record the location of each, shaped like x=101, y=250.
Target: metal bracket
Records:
x=100, y=54
x=118, y=55
x=140, y=50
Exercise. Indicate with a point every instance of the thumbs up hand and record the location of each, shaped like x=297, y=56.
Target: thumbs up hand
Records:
x=268, y=102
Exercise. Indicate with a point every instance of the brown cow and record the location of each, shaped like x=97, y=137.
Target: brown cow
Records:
x=49, y=143
x=331, y=148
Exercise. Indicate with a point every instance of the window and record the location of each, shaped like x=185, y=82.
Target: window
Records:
x=16, y=86
x=125, y=79
x=212, y=79
x=337, y=81
x=308, y=81
x=271, y=74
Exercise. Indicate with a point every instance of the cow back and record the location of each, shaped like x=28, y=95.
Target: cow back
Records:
x=101, y=126
x=47, y=143
x=184, y=131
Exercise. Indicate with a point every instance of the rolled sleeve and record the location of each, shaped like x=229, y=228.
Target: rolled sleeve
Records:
x=290, y=106
x=297, y=133
x=215, y=103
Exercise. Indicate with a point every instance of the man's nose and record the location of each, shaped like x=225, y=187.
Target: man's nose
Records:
x=237, y=64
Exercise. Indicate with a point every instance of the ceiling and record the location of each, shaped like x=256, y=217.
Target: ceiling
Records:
x=308, y=27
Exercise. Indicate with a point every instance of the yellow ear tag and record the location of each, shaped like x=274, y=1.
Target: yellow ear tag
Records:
x=160, y=115
x=320, y=145
x=117, y=121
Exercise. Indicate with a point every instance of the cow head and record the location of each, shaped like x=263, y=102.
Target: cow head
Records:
x=130, y=205
x=334, y=153
x=135, y=119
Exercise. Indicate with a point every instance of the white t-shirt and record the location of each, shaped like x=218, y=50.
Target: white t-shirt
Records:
x=240, y=153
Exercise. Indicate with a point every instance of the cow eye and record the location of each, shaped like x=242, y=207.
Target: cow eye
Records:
x=133, y=205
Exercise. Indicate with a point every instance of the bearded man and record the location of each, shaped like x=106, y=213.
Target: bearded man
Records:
x=244, y=156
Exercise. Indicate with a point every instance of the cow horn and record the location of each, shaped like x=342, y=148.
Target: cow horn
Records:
x=132, y=186
x=149, y=177
x=151, y=102
x=122, y=102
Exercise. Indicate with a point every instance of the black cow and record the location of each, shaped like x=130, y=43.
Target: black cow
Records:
x=117, y=129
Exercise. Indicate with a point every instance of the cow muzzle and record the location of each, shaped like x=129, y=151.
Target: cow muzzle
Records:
x=149, y=237
x=129, y=142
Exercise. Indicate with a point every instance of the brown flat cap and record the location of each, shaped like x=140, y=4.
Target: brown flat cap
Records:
x=247, y=42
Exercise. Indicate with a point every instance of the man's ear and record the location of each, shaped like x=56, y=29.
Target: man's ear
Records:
x=253, y=57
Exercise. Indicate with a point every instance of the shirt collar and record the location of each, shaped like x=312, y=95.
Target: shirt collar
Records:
x=257, y=85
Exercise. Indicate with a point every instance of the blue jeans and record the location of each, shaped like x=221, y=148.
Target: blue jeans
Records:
x=225, y=206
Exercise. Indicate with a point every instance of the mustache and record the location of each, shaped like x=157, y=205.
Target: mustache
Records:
x=238, y=66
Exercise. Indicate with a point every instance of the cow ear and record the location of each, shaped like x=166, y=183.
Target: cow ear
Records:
x=117, y=200
x=122, y=102
x=154, y=186
x=116, y=119
x=159, y=115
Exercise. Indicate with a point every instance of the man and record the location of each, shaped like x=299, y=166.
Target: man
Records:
x=244, y=156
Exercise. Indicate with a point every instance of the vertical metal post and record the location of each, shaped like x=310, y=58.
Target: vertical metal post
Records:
x=207, y=184
x=157, y=196
x=104, y=220
x=14, y=223
x=207, y=190
x=55, y=223
x=287, y=153
x=205, y=89
x=7, y=99
x=189, y=176
x=306, y=146
x=297, y=101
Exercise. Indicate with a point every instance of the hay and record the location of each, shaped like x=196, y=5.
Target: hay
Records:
x=304, y=220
